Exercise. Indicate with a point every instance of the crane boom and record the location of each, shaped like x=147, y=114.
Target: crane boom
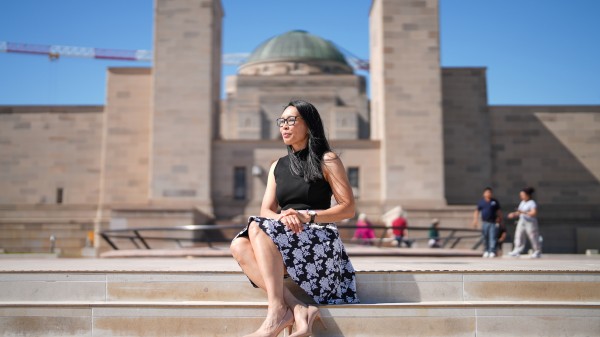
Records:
x=56, y=51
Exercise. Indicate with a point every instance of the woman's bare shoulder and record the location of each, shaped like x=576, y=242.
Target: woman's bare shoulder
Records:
x=332, y=164
x=330, y=156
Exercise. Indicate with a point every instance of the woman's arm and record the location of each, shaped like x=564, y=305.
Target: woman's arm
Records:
x=532, y=212
x=335, y=174
x=476, y=219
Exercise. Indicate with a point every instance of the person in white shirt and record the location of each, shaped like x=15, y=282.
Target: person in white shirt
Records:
x=527, y=213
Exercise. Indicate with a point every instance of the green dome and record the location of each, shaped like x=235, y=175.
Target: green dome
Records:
x=296, y=45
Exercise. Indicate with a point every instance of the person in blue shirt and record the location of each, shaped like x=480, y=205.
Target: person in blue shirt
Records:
x=488, y=211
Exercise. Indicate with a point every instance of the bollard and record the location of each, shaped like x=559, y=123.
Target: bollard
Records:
x=590, y=252
x=52, y=243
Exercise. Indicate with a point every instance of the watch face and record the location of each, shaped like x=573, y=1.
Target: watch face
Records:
x=312, y=213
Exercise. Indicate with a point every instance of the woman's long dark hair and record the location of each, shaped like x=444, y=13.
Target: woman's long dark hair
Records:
x=316, y=147
x=529, y=191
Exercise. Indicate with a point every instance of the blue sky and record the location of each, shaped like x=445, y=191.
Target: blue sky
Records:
x=537, y=52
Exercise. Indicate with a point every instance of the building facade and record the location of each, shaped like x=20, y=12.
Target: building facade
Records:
x=166, y=150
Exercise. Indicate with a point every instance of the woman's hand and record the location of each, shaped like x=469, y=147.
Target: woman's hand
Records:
x=293, y=219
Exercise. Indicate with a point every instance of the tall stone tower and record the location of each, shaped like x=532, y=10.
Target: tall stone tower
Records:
x=406, y=101
x=186, y=83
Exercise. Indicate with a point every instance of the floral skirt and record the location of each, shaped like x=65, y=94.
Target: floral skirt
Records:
x=315, y=259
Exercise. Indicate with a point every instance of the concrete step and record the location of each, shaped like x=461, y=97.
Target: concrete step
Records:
x=555, y=296
x=446, y=318
x=373, y=286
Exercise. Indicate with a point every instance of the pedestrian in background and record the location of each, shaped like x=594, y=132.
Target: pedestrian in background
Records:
x=488, y=211
x=364, y=230
x=434, y=234
x=399, y=226
x=501, y=237
x=528, y=223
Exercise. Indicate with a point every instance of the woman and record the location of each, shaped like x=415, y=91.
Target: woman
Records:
x=364, y=230
x=301, y=238
x=527, y=213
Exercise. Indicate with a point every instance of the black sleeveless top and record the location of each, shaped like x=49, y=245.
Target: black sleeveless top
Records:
x=293, y=192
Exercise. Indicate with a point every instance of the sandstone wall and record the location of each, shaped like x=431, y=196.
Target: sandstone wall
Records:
x=43, y=149
x=554, y=149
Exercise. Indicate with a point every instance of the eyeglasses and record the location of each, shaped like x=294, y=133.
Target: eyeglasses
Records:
x=289, y=121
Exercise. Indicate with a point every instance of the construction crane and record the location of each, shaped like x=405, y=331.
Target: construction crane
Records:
x=54, y=52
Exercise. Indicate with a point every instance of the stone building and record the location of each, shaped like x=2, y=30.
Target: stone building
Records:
x=295, y=64
x=166, y=150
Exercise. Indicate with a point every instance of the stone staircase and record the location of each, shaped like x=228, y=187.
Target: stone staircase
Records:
x=210, y=297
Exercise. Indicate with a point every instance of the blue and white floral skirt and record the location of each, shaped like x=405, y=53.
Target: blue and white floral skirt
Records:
x=315, y=259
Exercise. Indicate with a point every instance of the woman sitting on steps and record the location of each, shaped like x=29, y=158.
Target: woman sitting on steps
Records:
x=302, y=238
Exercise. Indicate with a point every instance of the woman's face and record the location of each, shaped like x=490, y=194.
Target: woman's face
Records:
x=295, y=135
x=523, y=196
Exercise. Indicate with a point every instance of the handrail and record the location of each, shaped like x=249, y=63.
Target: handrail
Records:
x=446, y=239
x=136, y=235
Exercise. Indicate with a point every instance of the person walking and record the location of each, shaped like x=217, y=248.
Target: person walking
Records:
x=295, y=231
x=488, y=211
x=528, y=223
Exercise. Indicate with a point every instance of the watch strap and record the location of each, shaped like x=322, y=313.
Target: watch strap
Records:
x=313, y=215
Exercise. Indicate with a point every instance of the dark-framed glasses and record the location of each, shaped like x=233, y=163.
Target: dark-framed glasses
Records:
x=289, y=121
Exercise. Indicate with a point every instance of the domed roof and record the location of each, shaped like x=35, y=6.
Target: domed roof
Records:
x=296, y=45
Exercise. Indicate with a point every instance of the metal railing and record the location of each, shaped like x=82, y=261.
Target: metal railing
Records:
x=139, y=238
x=451, y=238
x=209, y=234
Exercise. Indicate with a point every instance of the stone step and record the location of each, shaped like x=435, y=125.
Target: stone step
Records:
x=216, y=319
x=373, y=286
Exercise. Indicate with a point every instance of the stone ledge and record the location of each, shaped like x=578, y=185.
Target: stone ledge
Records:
x=263, y=305
x=549, y=264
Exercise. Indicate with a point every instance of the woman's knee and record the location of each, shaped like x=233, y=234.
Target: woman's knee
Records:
x=239, y=248
x=254, y=229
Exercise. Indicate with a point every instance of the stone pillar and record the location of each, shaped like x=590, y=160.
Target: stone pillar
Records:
x=126, y=143
x=406, y=101
x=467, y=134
x=186, y=74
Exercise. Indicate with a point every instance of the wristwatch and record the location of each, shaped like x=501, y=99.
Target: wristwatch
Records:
x=312, y=214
